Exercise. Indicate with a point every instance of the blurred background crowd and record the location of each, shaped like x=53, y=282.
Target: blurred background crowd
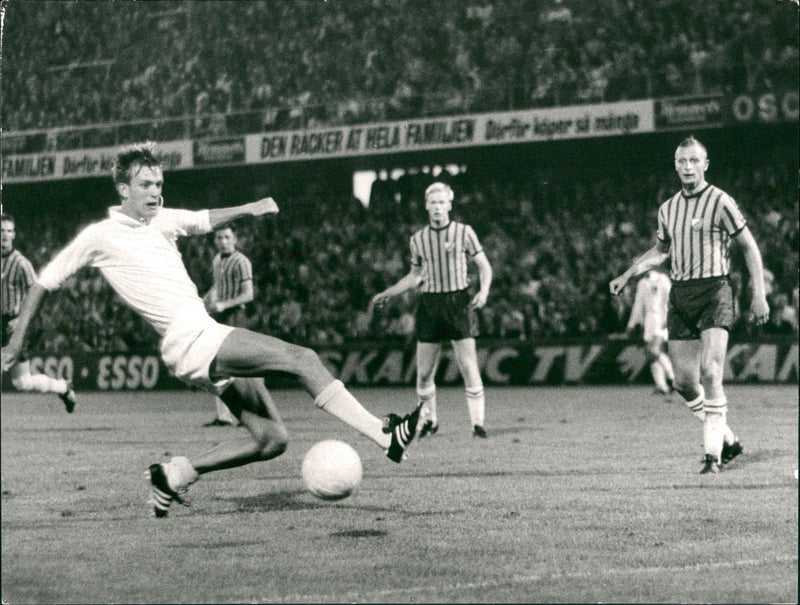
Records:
x=555, y=238
x=244, y=65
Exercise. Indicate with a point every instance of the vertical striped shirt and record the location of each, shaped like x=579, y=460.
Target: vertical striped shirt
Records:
x=698, y=229
x=443, y=253
x=230, y=272
x=17, y=278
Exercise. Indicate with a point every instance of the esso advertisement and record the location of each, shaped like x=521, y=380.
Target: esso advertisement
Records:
x=54, y=366
x=588, y=361
x=127, y=372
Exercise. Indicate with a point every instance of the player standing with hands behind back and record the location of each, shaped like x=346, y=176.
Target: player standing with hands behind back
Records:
x=226, y=300
x=695, y=228
x=439, y=255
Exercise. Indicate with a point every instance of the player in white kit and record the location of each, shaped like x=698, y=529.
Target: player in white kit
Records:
x=649, y=310
x=135, y=250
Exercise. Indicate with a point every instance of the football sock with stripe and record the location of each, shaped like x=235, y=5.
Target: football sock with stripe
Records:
x=338, y=401
x=695, y=403
x=697, y=408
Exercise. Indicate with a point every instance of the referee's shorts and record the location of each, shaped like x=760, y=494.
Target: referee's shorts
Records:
x=443, y=316
x=696, y=305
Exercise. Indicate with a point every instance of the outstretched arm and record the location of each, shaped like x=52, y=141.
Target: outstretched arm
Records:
x=30, y=307
x=218, y=216
x=411, y=280
x=652, y=258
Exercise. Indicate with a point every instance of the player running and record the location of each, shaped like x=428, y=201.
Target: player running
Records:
x=695, y=229
x=135, y=250
x=439, y=259
x=18, y=277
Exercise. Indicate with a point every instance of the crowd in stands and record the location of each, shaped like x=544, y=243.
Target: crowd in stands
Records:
x=554, y=241
x=295, y=63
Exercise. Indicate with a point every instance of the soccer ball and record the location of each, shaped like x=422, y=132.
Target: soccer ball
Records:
x=331, y=470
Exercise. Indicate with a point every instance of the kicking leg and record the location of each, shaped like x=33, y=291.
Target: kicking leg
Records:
x=248, y=353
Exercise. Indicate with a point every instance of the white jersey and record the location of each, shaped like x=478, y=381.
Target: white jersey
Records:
x=140, y=262
x=650, y=304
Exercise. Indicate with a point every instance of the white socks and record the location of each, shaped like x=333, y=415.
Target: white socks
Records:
x=427, y=395
x=180, y=473
x=338, y=401
x=476, y=403
x=714, y=426
x=41, y=383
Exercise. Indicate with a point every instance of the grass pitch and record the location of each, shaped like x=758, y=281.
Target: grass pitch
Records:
x=580, y=494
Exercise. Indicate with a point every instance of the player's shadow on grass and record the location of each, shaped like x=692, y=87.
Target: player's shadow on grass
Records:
x=297, y=500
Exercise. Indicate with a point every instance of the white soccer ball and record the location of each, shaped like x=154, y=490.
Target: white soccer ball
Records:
x=331, y=470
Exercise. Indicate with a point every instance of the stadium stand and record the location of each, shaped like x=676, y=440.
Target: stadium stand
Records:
x=209, y=68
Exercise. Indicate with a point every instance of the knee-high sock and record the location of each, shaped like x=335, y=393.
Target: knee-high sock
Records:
x=41, y=383
x=337, y=400
x=714, y=426
x=427, y=395
x=696, y=406
x=476, y=404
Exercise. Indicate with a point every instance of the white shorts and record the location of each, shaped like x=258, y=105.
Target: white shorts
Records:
x=189, y=348
x=654, y=328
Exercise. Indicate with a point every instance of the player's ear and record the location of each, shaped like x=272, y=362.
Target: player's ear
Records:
x=123, y=190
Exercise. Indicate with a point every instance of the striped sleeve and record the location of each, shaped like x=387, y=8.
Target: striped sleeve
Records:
x=663, y=233
x=416, y=253
x=471, y=243
x=245, y=268
x=26, y=275
x=730, y=218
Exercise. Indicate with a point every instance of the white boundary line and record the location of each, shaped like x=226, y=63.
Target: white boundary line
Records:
x=376, y=596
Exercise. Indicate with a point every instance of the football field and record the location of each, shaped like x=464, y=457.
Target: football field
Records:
x=581, y=494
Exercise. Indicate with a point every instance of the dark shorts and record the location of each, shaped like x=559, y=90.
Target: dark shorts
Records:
x=446, y=316
x=7, y=335
x=696, y=305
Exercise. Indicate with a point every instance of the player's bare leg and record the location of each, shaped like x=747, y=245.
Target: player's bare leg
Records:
x=250, y=402
x=249, y=354
x=467, y=357
x=428, y=356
